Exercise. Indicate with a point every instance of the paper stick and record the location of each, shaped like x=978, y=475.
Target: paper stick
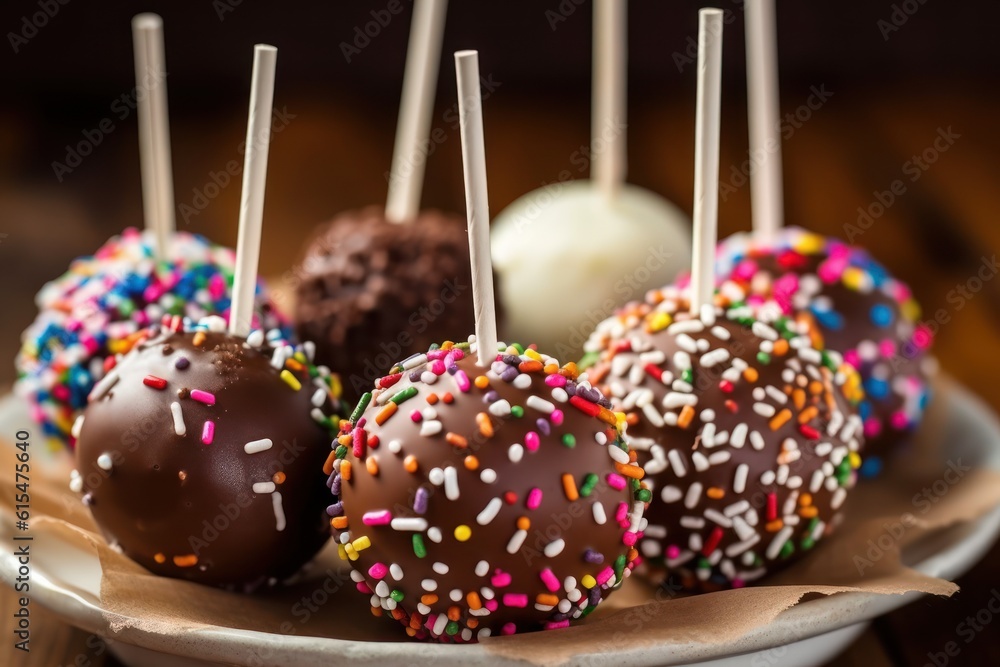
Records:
x=470, y=112
x=766, y=193
x=154, y=130
x=607, y=128
x=252, y=197
x=706, y=157
x=409, y=156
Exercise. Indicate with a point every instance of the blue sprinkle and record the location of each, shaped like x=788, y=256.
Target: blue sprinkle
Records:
x=871, y=467
x=881, y=315
x=876, y=388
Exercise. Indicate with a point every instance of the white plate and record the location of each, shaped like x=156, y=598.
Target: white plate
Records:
x=67, y=581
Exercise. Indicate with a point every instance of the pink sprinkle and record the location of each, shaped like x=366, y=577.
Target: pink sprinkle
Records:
x=515, y=600
x=61, y=392
x=555, y=380
x=621, y=514
x=90, y=343
x=216, y=287
x=550, y=580
x=615, y=481
x=531, y=441
x=492, y=605
x=508, y=629
x=673, y=551
x=628, y=539
x=457, y=354
x=556, y=417
x=359, y=443
x=922, y=337
x=555, y=625
x=208, y=432
x=378, y=571
x=203, y=397
x=152, y=293
x=363, y=588
x=500, y=579
x=738, y=583
x=853, y=358
x=436, y=355
x=378, y=518
x=872, y=428
x=605, y=575
x=534, y=498
x=887, y=348
x=416, y=417
x=899, y=420
x=462, y=380
x=437, y=367
x=745, y=270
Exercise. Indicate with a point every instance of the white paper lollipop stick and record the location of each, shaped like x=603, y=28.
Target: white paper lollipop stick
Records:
x=423, y=58
x=154, y=130
x=706, y=157
x=477, y=207
x=252, y=197
x=766, y=192
x=607, y=123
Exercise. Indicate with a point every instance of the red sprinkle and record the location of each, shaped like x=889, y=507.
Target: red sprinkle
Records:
x=389, y=380
x=154, y=382
x=809, y=431
x=726, y=386
x=712, y=542
x=510, y=497
x=652, y=370
x=585, y=406
x=772, y=506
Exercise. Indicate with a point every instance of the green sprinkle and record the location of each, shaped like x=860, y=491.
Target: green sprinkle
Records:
x=418, y=545
x=451, y=628
x=341, y=451
x=787, y=549
x=517, y=411
x=764, y=358
x=588, y=611
x=634, y=485
x=643, y=495
x=396, y=595
x=360, y=408
x=569, y=440
x=619, y=567
x=589, y=482
x=404, y=395
x=688, y=376
x=518, y=347
x=589, y=360
x=807, y=543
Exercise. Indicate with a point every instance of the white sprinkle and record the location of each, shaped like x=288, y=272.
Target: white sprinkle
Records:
x=104, y=461
x=775, y=393
x=677, y=463
x=440, y=568
x=739, y=436
x=681, y=386
x=429, y=585
x=263, y=487
x=382, y=589
x=256, y=338
x=488, y=476
x=816, y=483
x=738, y=507
x=718, y=458
x=681, y=360
x=810, y=356
x=686, y=343
x=716, y=356
x=762, y=330
x=396, y=571
x=600, y=518
x=516, y=540
x=319, y=397
x=395, y=446
x=676, y=399
x=652, y=415
x=718, y=517
x=700, y=462
x=499, y=408
x=77, y=426
x=436, y=476
x=692, y=522
x=618, y=455
x=451, y=483
x=774, y=548
x=693, y=495
x=708, y=435
x=415, y=524
x=757, y=440
x=782, y=476
x=279, y=511
x=104, y=386
x=553, y=549
x=707, y=415
x=515, y=452
x=489, y=512
x=540, y=404
x=720, y=333
x=838, y=498
x=434, y=534
x=76, y=483
x=482, y=568
x=256, y=446
x=764, y=409
x=767, y=478
x=414, y=361
x=686, y=326
x=559, y=394
x=432, y=427
x=671, y=494
x=175, y=410
x=734, y=550
x=740, y=483
x=522, y=381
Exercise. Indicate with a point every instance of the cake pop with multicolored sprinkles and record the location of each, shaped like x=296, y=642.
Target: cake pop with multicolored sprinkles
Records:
x=200, y=454
x=849, y=303
x=95, y=311
x=475, y=501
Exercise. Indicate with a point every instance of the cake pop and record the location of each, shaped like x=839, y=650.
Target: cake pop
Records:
x=555, y=241
x=378, y=284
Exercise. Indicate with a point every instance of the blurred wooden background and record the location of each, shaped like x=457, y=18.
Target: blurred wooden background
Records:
x=894, y=92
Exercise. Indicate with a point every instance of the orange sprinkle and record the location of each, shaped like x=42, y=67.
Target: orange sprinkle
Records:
x=294, y=365
x=530, y=366
x=547, y=599
x=278, y=477
x=416, y=620
x=456, y=440
x=339, y=522
x=429, y=599
x=160, y=558
x=475, y=603
x=410, y=632
x=345, y=470
x=471, y=462
x=715, y=493
x=570, y=370
x=750, y=375
x=345, y=440
x=454, y=613
x=485, y=425
x=377, y=612
x=780, y=419
x=553, y=368
x=780, y=347
x=198, y=339
x=687, y=414
x=448, y=398
x=806, y=499
x=630, y=470
x=410, y=463
x=808, y=512
x=523, y=523
x=598, y=373
x=799, y=399
x=774, y=526
x=815, y=387
x=632, y=456
x=632, y=554
x=372, y=464
x=472, y=623
x=398, y=614
x=386, y=412
x=189, y=560
x=569, y=487
x=632, y=418
x=606, y=416
x=328, y=466
x=482, y=382
x=807, y=415
x=432, y=398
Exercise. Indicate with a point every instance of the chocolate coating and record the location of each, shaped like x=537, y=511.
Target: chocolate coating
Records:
x=371, y=292
x=850, y=304
x=469, y=467
x=747, y=438
x=185, y=508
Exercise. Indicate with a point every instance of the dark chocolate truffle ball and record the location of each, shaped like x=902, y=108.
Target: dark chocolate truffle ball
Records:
x=746, y=433
x=477, y=501
x=200, y=455
x=371, y=292
x=851, y=304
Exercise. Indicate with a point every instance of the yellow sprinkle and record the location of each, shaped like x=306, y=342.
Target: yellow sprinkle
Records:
x=160, y=558
x=532, y=354
x=856, y=279
x=855, y=460
x=659, y=322
x=198, y=339
x=588, y=581
x=352, y=553
x=910, y=310
x=291, y=380
x=809, y=244
x=462, y=533
x=482, y=382
x=342, y=552
x=361, y=543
